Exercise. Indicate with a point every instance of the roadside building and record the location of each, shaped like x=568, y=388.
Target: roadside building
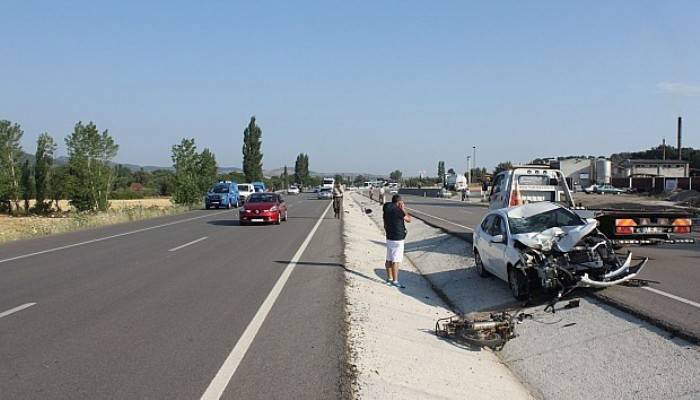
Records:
x=653, y=168
x=577, y=171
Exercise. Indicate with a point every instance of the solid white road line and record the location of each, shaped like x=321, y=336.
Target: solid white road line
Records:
x=440, y=219
x=188, y=243
x=223, y=377
x=108, y=237
x=16, y=309
x=672, y=296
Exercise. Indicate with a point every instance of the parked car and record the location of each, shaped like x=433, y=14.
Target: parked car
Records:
x=293, y=190
x=264, y=207
x=245, y=190
x=325, y=193
x=223, y=194
x=608, y=189
x=549, y=246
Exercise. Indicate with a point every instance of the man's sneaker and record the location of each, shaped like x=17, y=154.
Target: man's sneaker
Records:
x=398, y=285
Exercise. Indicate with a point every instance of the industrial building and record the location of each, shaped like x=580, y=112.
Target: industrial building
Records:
x=653, y=168
x=584, y=172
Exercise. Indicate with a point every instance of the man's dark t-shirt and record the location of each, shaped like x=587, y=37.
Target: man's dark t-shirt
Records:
x=393, y=222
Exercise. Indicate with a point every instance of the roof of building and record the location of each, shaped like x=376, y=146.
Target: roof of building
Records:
x=667, y=161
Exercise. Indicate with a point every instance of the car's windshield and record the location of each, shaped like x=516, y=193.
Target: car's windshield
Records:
x=543, y=221
x=220, y=189
x=244, y=188
x=262, y=198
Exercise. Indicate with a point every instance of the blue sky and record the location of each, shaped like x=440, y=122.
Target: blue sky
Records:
x=359, y=86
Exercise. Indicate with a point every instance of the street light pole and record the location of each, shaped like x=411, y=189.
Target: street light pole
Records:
x=469, y=171
x=474, y=158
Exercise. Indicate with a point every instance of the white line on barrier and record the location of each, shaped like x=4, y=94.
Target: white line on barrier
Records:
x=440, y=219
x=672, y=296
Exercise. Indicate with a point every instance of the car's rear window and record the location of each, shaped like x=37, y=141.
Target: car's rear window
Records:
x=533, y=180
x=261, y=198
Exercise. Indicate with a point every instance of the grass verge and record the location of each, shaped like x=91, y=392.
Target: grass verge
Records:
x=17, y=228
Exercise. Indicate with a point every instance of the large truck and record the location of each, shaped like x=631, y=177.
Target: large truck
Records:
x=533, y=183
x=328, y=183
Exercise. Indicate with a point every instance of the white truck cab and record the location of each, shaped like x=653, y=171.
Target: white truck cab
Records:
x=529, y=184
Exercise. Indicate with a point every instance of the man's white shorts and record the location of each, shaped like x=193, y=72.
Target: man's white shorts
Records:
x=394, y=250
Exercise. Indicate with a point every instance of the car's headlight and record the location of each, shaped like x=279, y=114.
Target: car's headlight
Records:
x=274, y=208
x=248, y=211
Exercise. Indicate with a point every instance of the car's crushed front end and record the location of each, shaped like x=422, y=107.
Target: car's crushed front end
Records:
x=563, y=257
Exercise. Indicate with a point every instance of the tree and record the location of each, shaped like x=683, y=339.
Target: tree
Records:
x=441, y=171
x=338, y=178
x=60, y=185
x=10, y=154
x=301, y=169
x=504, y=166
x=26, y=185
x=359, y=180
x=89, y=155
x=395, y=176
x=285, y=178
x=185, y=160
x=162, y=181
x=43, y=161
x=252, y=157
x=206, y=171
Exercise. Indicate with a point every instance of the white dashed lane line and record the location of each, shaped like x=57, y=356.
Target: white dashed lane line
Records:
x=188, y=243
x=16, y=309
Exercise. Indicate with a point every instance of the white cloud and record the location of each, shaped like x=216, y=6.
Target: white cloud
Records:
x=679, y=88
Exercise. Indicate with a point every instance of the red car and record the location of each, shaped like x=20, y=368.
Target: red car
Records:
x=264, y=207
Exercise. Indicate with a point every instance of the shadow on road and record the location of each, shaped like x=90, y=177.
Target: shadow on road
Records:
x=224, y=222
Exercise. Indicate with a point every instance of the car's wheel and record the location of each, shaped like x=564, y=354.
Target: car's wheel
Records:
x=279, y=218
x=518, y=283
x=285, y=216
x=207, y=206
x=228, y=205
x=479, y=264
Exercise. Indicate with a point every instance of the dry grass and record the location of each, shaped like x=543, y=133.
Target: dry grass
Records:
x=15, y=228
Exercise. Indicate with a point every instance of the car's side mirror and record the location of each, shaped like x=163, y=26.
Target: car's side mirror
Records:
x=498, y=239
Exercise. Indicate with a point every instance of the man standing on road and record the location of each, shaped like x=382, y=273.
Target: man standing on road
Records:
x=394, y=215
x=338, y=200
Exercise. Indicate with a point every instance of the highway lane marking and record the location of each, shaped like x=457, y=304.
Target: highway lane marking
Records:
x=672, y=296
x=16, y=309
x=440, y=219
x=69, y=246
x=223, y=376
x=188, y=243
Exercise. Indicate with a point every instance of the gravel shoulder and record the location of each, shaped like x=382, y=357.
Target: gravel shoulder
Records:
x=591, y=352
x=393, y=350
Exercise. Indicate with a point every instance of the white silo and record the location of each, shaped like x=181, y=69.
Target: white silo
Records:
x=603, y=171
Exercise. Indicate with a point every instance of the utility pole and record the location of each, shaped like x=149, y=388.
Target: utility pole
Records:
x=469, y=171
x=680, y=147
x=474, y=158
x=663, y=149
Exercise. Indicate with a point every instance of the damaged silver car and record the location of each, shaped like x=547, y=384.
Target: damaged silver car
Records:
x=546, y=245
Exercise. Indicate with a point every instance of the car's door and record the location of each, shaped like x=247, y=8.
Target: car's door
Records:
x=483, y=239
x=282, y=204
x=497, y=251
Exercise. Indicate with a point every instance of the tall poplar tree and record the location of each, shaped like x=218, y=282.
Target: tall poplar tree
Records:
x=252, y=155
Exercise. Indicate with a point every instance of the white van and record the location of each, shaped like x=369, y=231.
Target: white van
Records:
x=245, y=190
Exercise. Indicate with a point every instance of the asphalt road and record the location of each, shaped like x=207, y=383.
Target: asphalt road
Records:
x=155, y=309
x=676, y=268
